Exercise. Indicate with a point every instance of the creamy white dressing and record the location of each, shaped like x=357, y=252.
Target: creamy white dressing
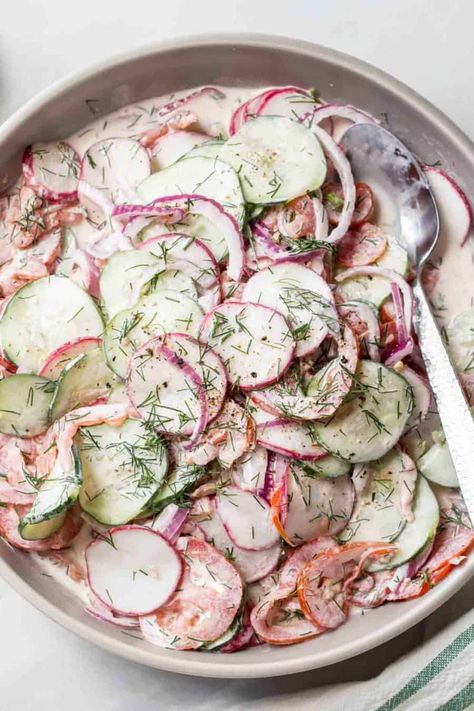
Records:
x=455, y=290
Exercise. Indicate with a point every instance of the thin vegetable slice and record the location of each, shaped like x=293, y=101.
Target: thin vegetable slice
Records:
x=123, y=468
x=166, y=391
x=375, y=415
x=133, y=570
x=27, y=341
x=24, y=404
x=254, y=342
x=302, y=296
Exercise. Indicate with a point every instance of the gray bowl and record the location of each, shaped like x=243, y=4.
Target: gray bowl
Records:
x=234, y=60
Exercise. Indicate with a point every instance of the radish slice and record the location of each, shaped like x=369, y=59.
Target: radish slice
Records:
x=298, y=558
x=251, y=564
x=288, y=101
x=346, y=111
x=207, y=365
x=205, y=604
x=60, y=357
x=454, y=208
x=133, y=570
x=225, y=225
x=249, y=472
x=324, y=584
x=393, y=276
x=360, y=247
x=52, y=169
x=114, y=167
x=191, y=256
x=247, y=519
x=279, y=620
x=166, y=391
x=174, y=145
x=316, y=506
x=302, y=296
x=100, y=612
x=292, y=439
x=421, y=396
x=344, y=170
x=325, y=393
x=253, y=340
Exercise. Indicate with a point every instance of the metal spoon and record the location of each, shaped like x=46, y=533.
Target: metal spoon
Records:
x=381, y=160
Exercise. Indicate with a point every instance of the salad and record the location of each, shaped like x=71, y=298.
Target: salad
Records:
x=215, y=422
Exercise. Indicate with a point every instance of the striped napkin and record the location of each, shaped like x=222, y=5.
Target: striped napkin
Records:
x=439, y=675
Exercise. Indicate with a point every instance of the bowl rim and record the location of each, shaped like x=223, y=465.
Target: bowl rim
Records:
x=306, y=661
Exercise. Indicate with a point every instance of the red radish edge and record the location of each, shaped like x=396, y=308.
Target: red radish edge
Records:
x=63, y=349
x=171, y=357
x=216, y=213
x=43, y=191
x=133, y=527
x=460, y=194
x=284, y=367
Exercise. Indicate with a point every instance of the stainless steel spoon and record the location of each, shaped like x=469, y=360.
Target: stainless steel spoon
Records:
x=381, y=160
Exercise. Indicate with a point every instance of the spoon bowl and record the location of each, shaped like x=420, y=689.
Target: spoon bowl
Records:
x=378, y=158
x=385, y=163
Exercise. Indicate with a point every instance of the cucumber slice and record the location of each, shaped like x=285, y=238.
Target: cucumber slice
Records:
x=43, y=315
x=377, y=515
x=123, y=467
x=181, y=480
x=373, y=418
x=57, y=493
x=45, y=529
x=328, y=467
x=460, y=337
x=163, y=311
x=416, y=533
x=118, y=394
x=171, y=279
x=229, y=634
x=209, y=177
x=437, y=466
x=82, y=381
x=24, y=404
x=375, y=289
x=276, y=158
x=68, y=250
x=120, y=276
x=208, y=149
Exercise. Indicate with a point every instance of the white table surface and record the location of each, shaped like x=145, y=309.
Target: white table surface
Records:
x=427, y=44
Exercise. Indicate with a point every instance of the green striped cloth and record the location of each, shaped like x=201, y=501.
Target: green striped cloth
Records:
x=436, y=676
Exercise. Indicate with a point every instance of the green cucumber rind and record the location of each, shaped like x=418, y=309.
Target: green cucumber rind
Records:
x=115, y=504
x=99, y=380
x=68, y=496
x=180, y=481
x=43, y=530
x=412, y=540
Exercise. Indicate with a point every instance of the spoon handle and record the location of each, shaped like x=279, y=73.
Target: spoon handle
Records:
x=453, y=409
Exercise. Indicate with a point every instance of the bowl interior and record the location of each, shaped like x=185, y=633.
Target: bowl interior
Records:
x=233, y=61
